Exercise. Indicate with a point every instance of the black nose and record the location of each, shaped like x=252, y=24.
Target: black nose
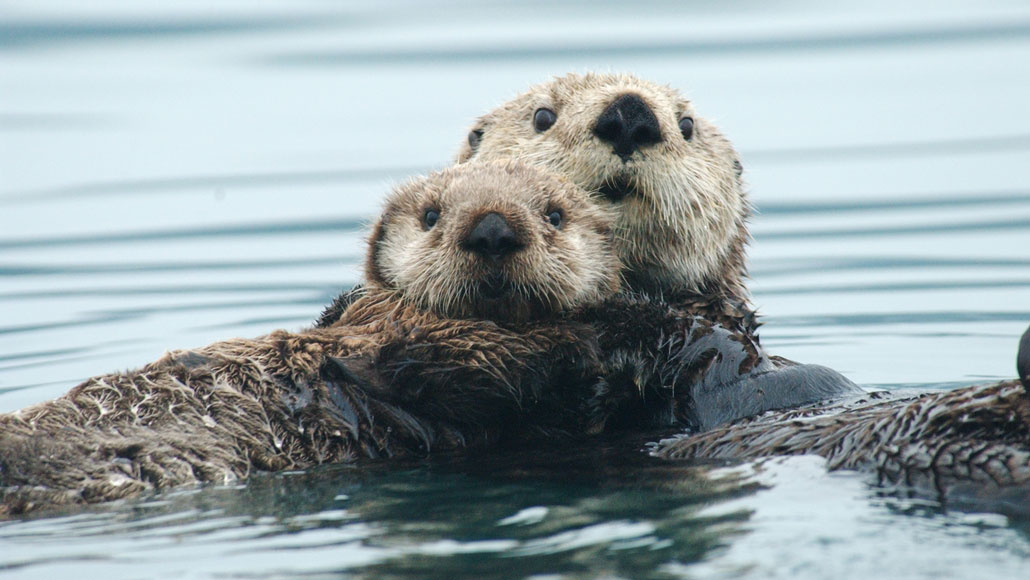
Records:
x=492, y=237
x=628, y=124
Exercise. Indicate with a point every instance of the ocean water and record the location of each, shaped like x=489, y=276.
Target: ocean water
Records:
x=176, y=173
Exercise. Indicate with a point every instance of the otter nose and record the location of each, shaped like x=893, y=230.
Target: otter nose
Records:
x=628, y=124
x=492, y=237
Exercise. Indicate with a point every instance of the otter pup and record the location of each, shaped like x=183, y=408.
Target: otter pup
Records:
x=497, y=240
x=412, y=367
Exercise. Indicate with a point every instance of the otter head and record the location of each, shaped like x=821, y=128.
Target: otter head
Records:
x=493, y=240
x=639, y=147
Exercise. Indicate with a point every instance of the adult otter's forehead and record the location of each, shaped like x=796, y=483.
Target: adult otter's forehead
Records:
x=485, y=183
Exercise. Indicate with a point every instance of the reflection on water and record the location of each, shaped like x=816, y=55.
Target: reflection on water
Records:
x=171, y=176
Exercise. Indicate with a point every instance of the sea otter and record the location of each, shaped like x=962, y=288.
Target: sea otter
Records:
x=497, y=240
x=672, y=177
x=969, y=443
x=674, y=184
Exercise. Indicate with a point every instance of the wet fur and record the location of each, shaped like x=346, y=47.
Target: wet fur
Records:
x=969, y=442
x=283, y=401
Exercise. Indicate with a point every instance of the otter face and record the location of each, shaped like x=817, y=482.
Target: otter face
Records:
x=639, y=147
x=494, y=240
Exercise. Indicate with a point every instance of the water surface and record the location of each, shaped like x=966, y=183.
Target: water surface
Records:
x=173, y=174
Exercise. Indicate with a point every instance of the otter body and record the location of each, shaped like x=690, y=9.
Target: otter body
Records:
x=291, y=400
x=281, y=401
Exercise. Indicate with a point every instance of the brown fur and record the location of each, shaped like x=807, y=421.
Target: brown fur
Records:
x=217, y=413
x=970, y=441
x=683, y=229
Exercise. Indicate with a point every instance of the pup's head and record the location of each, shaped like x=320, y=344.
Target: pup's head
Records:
x=500, y=241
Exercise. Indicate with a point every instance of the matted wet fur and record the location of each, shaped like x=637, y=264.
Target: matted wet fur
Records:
x=216, y=414
x=968, y=443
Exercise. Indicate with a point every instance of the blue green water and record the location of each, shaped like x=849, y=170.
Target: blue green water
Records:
x=175, y=173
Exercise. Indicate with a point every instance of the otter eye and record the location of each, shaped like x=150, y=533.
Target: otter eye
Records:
x=543, y=119
x=430, y=218
x=555, y=218
x=687, y=127
x=475, y=136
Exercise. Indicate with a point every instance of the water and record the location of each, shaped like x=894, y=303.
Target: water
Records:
x=173, y=174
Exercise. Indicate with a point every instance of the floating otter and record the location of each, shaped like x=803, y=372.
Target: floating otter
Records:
x=971, y=442
x=283, y=401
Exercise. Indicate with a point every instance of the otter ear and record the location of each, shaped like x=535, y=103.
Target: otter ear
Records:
x=471, y=145
x=373, y=270
x=738, y=167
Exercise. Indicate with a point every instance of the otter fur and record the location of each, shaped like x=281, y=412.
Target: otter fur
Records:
x=971, y=442
x=661, y=364
x=968, y=443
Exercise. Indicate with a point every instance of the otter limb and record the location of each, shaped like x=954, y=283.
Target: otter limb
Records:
x=968, y=442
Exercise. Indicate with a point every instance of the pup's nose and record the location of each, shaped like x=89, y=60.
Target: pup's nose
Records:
x=628, y=124
x=492, y=237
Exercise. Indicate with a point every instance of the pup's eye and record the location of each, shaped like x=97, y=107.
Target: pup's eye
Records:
x=555, y=218
x=430, y=218
x=475, y=137
x=543, y=119
x=687, y=127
